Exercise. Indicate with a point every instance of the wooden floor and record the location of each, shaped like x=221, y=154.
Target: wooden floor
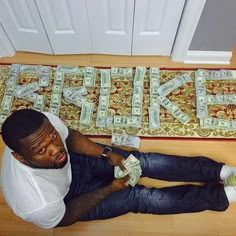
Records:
x=206, y=223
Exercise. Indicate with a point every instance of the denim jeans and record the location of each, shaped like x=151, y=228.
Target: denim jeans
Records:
x=89, y=174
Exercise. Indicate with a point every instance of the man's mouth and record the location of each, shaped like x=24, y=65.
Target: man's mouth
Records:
x=61, y=158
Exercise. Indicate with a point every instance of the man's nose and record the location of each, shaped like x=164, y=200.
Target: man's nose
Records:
x=54, y=149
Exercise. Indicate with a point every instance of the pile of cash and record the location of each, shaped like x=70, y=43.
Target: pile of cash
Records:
x=133, y=169
x=203, y=100
x=125, y=140
x=137, y=99
x=158, y=97
x=90, y=75
x=103, y=120
x=117, y=72
x=74, y=95
x=71, y=70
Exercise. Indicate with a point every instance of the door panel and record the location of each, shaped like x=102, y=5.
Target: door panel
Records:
x=111, y=24
x=66, y=24
x=155, y=26
x=21, y=20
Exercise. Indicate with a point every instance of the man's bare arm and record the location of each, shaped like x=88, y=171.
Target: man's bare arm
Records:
x=82, y=205
x=79, y=143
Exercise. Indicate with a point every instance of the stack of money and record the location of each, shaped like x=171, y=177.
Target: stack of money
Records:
x=23, y=90
x=217, y=123
x=39, y=103
x=173, y=84
x=58, y=82
x=74, y=95
x=133, y=169
x=154, y=109
x=30, y=69
x=102, y=119
x=125, y=140
x=137, y=99
x=55, y=103
x=86, y=113
x=71, y=70
x=216, y=74
x=117, y=72
x=45, y=76
x=127, y=121
x=90, y=75
x=223, y=99
x=173, y=109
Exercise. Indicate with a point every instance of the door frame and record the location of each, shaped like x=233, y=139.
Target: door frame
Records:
x=190, y=17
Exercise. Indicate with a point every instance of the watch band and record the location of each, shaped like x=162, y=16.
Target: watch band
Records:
x=105, y=151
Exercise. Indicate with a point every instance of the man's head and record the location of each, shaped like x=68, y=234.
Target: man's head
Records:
x=34, y=140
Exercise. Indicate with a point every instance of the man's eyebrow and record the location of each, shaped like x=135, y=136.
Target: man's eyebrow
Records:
x=51, y=130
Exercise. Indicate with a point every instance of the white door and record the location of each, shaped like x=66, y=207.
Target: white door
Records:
x=155, y=26
x=21, y=21
x=111, y=26
x=66, y=23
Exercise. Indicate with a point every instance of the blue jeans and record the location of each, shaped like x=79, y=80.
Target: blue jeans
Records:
x=89, y=174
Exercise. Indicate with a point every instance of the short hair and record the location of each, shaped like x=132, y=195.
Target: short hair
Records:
x=19, y=125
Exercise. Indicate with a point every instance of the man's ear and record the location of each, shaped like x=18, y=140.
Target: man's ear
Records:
x=18, y=157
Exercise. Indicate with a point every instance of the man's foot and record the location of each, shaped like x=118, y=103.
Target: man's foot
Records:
x=231, y=180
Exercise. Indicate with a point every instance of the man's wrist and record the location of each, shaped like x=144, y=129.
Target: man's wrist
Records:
x=105, y=152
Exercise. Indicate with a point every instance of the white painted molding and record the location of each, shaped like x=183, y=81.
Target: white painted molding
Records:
x=188, y=24
x=208, y=57
x=6, y=47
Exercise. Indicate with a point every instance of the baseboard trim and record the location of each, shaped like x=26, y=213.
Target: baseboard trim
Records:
x=208, y=57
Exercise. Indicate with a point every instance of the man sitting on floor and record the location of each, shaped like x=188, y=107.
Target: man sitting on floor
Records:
x=54, y=176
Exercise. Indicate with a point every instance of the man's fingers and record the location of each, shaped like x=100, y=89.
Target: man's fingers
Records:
x=126, y=178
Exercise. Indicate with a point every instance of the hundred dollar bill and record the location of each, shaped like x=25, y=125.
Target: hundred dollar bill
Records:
x=125, y=140
x=31, y=69
x=23, y=90
x=105, y=91
x=39, y=103
x=86, y=113
x=104, y=121
x=117, y=72
x=58, y=82
x=154, y=72
x=10, y=86
x=173, y=84
x=103, y=102
x=215, y=123
x=120, y=121
x=133, y=168
x=90, y=75
x=154, y=117
x=55, y=103
x=105, y=78
x=74, y=98
x=44, y=80
x=133, y=121
x=68, y=69
x=80, y=90
x=15, y=68
x=101, y=112
x=202, y=109
x=46, y=69
x=139, y=75
x=30, y=97
x=6, y=104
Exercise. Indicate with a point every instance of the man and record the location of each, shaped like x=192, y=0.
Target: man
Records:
x=54, y=176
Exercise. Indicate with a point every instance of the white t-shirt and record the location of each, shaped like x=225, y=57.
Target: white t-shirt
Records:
x=36, y=195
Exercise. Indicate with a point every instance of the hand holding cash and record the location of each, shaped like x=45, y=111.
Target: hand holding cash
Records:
x=133, y=169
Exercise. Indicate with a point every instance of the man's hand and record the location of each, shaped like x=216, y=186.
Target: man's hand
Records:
x=116, y=160
x=119, y=184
